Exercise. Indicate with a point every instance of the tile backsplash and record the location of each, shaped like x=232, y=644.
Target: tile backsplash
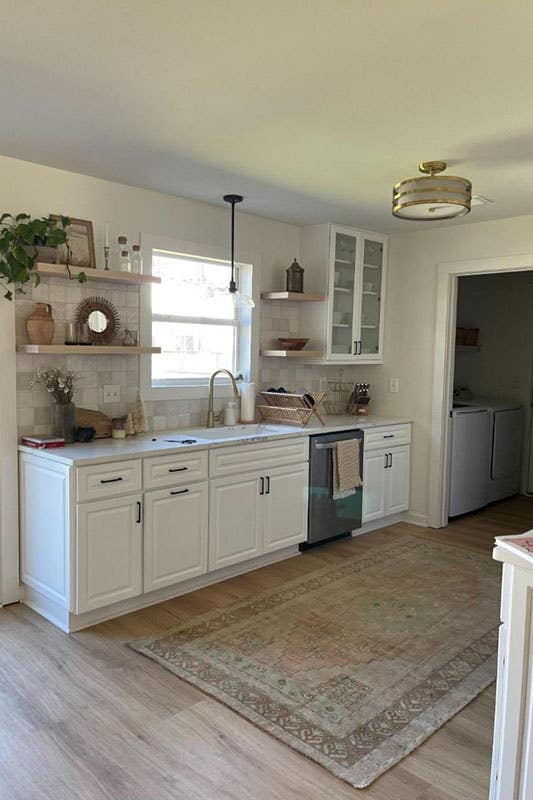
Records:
x=96, y=371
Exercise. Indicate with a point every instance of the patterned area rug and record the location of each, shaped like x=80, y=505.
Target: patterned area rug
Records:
x=354, y=665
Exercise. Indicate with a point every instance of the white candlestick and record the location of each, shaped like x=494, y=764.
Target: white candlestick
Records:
x=107, y=234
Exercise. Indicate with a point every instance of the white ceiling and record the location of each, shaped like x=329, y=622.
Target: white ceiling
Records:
x=310, y=108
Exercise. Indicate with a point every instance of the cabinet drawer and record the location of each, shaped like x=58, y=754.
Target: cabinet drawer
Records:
x=164, y=471
x=257, y=457
x=388, y=436
x=108, y=480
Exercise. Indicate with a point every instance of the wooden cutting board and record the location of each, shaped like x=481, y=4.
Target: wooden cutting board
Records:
x=85, y=418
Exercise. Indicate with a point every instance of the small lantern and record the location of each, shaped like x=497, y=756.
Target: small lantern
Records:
x=295, y=278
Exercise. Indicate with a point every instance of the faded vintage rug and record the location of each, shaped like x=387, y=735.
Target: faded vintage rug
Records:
x=356, y=665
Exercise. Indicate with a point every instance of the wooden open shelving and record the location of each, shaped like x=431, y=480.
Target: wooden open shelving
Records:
x=299, y=297
x=128, y=278
x=84, y=350
x=292, y=353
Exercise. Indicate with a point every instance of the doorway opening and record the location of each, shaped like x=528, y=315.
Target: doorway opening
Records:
x=489, y=429
x=449, y=275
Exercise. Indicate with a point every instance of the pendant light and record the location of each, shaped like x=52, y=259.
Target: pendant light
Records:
x=432, y=197
x=238, y=298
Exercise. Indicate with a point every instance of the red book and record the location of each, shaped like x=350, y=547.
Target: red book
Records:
x=42, y=444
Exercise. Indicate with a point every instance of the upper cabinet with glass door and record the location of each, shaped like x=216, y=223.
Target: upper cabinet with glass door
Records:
x=349, y=265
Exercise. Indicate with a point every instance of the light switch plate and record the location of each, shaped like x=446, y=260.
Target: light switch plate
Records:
x=394, y=385
x=111, y=394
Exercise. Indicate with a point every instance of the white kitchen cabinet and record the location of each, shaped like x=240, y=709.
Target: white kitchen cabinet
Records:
x=284, y=507
x=255, y=513
x=348, y=266
x=512, y=752
x=235, y=523
x=386, y=472
x=397, y=488
x=374, y=475
x=109, y=551
x=107, y=537
x=175, y=535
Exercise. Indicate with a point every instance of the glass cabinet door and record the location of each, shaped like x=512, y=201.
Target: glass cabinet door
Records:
x=371, y=288
x=343, y=290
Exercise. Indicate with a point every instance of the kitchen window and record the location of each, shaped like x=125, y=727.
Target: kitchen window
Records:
x=195, y=323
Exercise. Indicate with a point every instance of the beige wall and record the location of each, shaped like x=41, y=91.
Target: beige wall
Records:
x=410, y=321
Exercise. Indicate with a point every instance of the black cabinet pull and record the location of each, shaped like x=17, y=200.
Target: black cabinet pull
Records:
x=111, y=480
x=386, y=460
x=268, y=485
x=354, y=347
x=180, y=491
x=388, y=436
x=390, y=465
x=179, y=469
x=262, y=490
x=139, y=509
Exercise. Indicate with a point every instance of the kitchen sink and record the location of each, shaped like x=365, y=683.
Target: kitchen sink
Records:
x=251, y=431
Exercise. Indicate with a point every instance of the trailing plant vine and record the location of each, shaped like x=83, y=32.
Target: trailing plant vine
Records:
x=20, y=236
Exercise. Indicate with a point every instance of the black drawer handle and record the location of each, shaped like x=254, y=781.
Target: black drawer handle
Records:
x=181, y=491
x=388, y=436
x=111, y=480
x=179, y=469
x=139, y=511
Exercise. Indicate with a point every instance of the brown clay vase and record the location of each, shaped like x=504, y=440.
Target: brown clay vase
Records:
x=40, y=325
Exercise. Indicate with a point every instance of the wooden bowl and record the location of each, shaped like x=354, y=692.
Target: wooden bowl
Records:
x=293, y=344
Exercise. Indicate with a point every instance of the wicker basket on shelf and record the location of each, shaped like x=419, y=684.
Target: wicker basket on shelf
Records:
x=291, y=408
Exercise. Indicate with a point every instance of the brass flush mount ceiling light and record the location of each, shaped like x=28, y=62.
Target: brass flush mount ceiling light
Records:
x=432, y=197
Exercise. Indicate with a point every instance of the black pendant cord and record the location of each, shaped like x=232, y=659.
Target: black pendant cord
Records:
x=233, y=199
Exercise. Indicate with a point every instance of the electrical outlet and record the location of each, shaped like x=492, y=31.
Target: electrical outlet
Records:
x=394, y=385
x=111, y=394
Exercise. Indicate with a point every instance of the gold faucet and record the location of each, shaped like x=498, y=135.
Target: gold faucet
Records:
x=210, y=412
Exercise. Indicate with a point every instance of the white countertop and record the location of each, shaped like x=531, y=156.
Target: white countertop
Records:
x=157, y=443
x=511, y=550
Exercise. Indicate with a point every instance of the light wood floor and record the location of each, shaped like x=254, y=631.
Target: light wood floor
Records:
x=84, y=718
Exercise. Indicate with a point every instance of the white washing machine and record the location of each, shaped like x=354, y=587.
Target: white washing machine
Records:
x=486, y=450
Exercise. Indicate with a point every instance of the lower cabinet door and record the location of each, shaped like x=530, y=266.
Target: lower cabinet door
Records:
x=109, y=552
x=398, y=480
x=285, y=510
x=374, y=483
x=235, y=532
x=175, y=535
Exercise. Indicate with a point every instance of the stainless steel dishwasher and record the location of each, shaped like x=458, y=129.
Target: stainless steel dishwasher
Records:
x=328, y=517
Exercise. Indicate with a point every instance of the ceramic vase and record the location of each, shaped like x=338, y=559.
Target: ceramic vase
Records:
x=40, y=325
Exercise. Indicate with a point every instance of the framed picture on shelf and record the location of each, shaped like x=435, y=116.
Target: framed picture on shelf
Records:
x=81, y=243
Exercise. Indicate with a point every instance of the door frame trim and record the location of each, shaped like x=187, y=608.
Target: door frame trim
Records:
x=448, y=273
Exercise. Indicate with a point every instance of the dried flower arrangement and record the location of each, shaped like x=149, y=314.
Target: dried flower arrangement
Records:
x=61, y=383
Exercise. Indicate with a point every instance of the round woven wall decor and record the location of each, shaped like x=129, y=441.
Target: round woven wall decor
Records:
x=86, y=308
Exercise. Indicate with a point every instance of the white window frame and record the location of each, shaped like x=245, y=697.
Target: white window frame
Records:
x=196, y=388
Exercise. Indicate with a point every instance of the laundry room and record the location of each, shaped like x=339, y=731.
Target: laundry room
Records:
x=491, y=454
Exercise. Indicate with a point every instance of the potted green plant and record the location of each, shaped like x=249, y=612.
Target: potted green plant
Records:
x=21, y=238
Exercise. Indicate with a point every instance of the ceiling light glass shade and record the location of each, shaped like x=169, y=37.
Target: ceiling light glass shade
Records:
x=433, y=196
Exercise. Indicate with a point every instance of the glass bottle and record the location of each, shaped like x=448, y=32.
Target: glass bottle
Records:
x=124, y=263
x=136, y=259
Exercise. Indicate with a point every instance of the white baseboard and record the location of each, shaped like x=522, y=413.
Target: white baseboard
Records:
x=376, y=524
x=416, y=518
x=70, y=623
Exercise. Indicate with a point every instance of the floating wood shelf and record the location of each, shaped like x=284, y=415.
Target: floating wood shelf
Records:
x=129, y=278
x=84, y=350
x=298, y=296
x=292, y=353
